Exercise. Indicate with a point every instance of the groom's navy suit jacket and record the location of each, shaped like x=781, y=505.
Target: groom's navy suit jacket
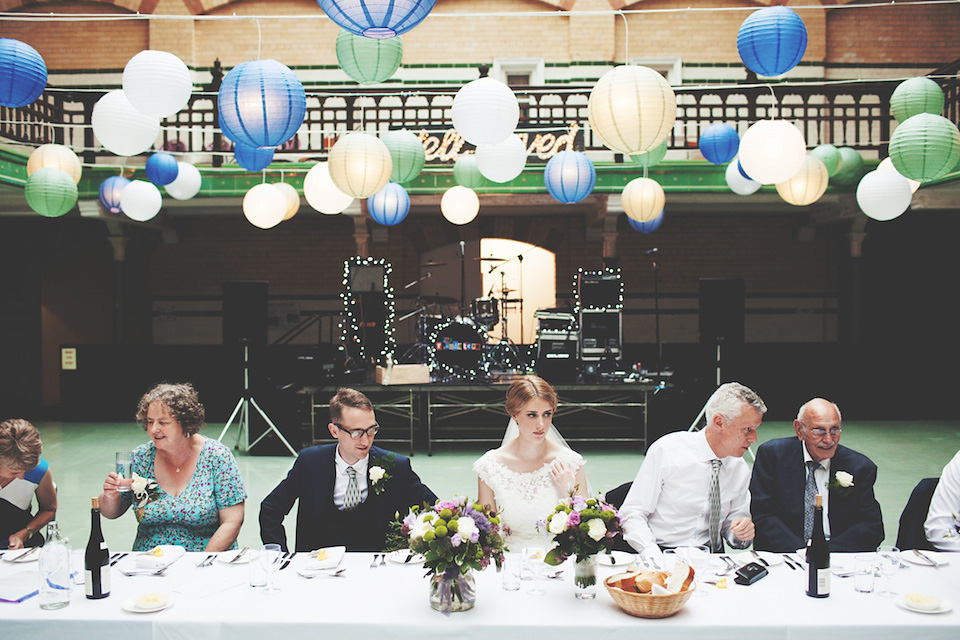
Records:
x=319, y=522
x=776, y=499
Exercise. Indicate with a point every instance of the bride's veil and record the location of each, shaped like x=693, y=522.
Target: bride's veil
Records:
x=553, y=435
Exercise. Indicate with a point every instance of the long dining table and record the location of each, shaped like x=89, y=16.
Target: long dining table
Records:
x=391, y=601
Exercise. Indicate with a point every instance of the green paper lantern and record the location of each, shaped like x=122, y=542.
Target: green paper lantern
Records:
x=925, y=147
x=851, y=167
x=407, y=154
x=830, y=156
x=50, y=192
x=916, y=95
x=368, y=60
x=466, y=173
x=650, y=158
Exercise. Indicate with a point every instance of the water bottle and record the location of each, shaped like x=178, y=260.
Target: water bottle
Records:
x=54, y=569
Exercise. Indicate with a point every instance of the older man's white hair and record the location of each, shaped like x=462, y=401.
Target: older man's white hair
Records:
x=729, y=400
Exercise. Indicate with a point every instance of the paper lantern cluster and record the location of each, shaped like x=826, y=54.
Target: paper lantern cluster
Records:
x=569, y=176
x=367, y=60
x=377, y=18
x=631, y=109
x=771, y=41
x=390, y=205
x=261, y=103
x=23, y=73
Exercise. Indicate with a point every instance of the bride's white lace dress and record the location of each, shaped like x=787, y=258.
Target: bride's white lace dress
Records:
x=523, y=498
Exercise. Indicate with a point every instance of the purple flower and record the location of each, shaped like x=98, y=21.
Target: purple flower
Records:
x=456, y=540
x=579, y=504
x=445, y=504
x=573, y=519
x=475, y=536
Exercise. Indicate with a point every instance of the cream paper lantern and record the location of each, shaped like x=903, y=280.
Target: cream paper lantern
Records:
x=187, y=183
x=322, y=194
x=157, y=83
x=292, y=197
x=120, y=127
x=360, y=164
x=485, y=111
x=771, y=151
x=643, y=199
x=807, y=185
x=502, y=162
x=140, y=200
x=887, y=165
x=264, y=206
x=459, y=205
x=883, y=195
x=632, y=109
x=55, y=156
x=739, y=183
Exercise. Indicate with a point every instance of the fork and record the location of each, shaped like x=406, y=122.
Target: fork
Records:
x=145, y=572
x=383, y=560
x=373, y=565
x=731, y=565
x=325, y=574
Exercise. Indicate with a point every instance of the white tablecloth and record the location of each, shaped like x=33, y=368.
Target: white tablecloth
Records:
x=391, y=602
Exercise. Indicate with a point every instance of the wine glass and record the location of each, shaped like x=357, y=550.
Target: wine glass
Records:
x=889, y=560
x=532, y=558
x=699, y=558
x=270, y=557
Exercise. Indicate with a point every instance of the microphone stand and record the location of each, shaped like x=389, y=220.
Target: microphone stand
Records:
x=656, y=307
x=463, y=282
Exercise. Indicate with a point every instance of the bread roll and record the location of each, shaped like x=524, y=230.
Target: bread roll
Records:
x=681, y=578
x=922, y=601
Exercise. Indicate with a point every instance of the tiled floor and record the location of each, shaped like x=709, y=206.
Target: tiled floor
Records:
x=81, y=454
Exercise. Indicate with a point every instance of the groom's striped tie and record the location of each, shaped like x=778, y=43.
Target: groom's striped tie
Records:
x=352, y=498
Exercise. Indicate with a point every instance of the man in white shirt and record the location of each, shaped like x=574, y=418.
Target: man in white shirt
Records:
x=669, y=503
x=941, y=524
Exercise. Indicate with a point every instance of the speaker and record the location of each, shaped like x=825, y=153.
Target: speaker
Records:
x=245, y=311
x=722, y=310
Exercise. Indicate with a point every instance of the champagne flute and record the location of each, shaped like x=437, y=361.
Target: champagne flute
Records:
x=697, y=557
x=889, y=561
x=270, y=557
x=533, y=560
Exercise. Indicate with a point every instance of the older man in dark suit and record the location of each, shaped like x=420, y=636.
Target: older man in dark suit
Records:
x=348, y=491
x=788, y=472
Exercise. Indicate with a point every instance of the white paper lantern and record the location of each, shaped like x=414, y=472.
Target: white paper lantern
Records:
x=360, y=164
x=771, y=151
x=632, y=109
x=157, y=83
x=120, y=127
x=807, y=185
x=292, y=197
x=55, y=156
x=187, y=183
x=264, y=206
x=887, y=165
x=322, y=194
x=883, y=195
x=140, y=200
x=459, y=205
x=502, y=162
x=485, y=111
x=739, y=183
x=643, y=199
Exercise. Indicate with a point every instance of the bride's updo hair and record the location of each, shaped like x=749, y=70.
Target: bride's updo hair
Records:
x=526, y=389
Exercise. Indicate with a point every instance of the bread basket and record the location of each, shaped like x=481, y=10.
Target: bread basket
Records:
x=647, y=605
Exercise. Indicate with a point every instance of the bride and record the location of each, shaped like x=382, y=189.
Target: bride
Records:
x=526, y=477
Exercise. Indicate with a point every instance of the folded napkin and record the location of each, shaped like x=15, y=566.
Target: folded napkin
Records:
x=328, y=558
x=160, y=557
x=19, y=586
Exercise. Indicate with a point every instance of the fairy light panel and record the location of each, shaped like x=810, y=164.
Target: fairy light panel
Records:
x=369, y=309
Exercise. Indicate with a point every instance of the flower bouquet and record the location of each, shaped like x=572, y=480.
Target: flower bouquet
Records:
x=144, y=490
x=455, y=537
x=581, y=527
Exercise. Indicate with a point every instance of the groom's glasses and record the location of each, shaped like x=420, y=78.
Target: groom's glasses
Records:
x=356, y=433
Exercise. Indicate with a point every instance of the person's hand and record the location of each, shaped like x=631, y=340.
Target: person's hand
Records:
x=111, y=486
x=563, y=479
x=742, y=529
x=16, y=539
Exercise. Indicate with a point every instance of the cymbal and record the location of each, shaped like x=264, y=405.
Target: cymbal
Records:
x=438, y=299
x=431, y=263
x=490, y=259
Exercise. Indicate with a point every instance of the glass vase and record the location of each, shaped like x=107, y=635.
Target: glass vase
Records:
x=585, y=578
x=453, y=591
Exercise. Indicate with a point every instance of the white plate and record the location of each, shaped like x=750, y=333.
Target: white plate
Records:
x=228, y=556
x=911, y=557
x=615, y=559
x=130, y=604
x=15, y=556
x=944, y=606
x=405, y=556
x=331, y=560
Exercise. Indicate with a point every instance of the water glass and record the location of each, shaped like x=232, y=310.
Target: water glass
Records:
x=699, y=559
x=532, y=558
x=257, y=574
x=125, y=469
x=889, y=560
x=270, y=559
x=864, y=566
x=510, y=573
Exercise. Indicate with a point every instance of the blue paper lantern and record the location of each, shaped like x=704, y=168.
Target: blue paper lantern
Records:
x=253, y=158
x=647, y=226
x=390, y=205
x=772, y=41
x=569, y=176
x=719, y=143
x=261, y=103
x=377, y=18
x=162, y=168
x=110, y=190
x=742, y=172
x=23, y=73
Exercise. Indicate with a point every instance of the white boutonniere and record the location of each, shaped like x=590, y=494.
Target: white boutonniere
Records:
x=842, y=482
x=144, y=490
x=379, y=474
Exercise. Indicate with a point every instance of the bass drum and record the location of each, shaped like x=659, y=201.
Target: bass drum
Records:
x=485, y=312
x=457, y=348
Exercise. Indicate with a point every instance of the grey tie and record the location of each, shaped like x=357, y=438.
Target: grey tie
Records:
x=352, y=498
x=809, y=492
x=716, y=544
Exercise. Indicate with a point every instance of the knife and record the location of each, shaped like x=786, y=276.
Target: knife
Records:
x=926, y=558
x=237, y=557
x=286, y=563
x=759, y=559
x=117, y=558
x=409, y=557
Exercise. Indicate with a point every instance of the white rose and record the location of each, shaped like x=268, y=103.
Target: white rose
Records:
x=597, y=529
x=466, y=527
x=844, y=479
x=558, y=523
x=139, y=484
x=375, y=474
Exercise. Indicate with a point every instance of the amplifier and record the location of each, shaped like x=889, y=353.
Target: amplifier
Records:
x=555, y=320
x=557, y=345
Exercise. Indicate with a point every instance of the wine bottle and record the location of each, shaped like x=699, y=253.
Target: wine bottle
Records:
x=818, y=556
x=96, y=560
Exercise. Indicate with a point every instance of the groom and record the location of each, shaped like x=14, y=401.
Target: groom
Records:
x=349, y=491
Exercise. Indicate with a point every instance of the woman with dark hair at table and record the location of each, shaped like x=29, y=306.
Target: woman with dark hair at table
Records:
x=198, y=499
x=24, y=475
